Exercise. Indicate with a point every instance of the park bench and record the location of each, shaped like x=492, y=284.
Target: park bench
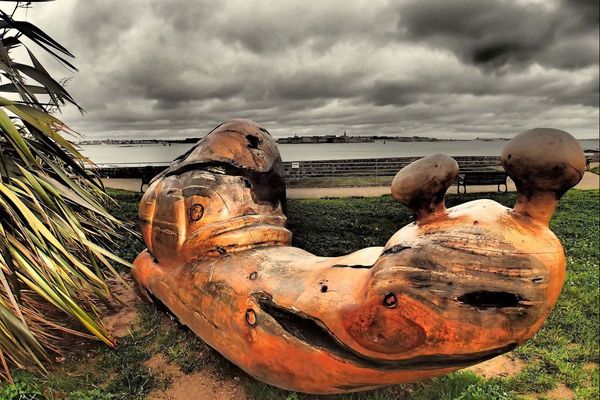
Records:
x=481, y=177
x=147, y=173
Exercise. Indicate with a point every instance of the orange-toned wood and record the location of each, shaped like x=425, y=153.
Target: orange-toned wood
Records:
x=454, y=288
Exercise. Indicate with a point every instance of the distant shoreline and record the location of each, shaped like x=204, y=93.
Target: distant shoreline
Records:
x=323, y=139
x=155, y=152
x=327, y=139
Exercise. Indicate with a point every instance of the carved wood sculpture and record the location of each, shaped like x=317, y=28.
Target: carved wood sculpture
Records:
x=454, y=288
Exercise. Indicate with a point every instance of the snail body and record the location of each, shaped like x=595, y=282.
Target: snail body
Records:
x=454, y=288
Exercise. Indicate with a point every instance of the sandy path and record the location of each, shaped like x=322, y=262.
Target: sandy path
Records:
x=589, y=181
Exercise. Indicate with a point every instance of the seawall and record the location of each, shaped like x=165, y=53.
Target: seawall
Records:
x=295, y=170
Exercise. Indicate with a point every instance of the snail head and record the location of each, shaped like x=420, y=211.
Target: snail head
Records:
x=224, y=195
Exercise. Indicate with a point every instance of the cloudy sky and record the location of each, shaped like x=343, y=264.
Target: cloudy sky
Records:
x=445, y=68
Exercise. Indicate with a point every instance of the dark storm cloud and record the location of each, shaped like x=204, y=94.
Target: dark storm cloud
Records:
x=588, y=12
x=394, y=93
x=498, y=33
x=282, y=25
x=447, y=68
x=547, y=89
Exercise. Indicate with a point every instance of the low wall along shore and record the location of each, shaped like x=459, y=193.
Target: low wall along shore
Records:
x=371, y=166
x=297, y=171
x=368, y=174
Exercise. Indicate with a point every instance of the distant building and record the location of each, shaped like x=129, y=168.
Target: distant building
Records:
x=325, y=139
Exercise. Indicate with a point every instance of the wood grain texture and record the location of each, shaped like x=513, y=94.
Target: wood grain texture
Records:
x=454, y=288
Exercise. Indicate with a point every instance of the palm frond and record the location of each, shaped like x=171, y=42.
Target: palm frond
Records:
x=55, y=232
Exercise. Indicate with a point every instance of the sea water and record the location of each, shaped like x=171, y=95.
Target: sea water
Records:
x=165, y=153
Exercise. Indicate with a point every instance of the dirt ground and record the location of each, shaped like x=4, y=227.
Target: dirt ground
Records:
x=123, y=319
x=200, y=385
x=506, y=366
x=205, y=385
x=502, y=366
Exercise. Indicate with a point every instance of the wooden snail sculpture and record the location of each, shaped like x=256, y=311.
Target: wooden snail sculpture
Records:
x=454, y=288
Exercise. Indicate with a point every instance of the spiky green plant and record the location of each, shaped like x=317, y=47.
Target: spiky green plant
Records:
x=54, y=230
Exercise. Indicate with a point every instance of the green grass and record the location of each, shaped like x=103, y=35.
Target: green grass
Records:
x=341, y=181
x=565, y=351
x=596, y=170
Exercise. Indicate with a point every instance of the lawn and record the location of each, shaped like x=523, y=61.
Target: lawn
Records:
x=562, y=358
x=341, y=181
